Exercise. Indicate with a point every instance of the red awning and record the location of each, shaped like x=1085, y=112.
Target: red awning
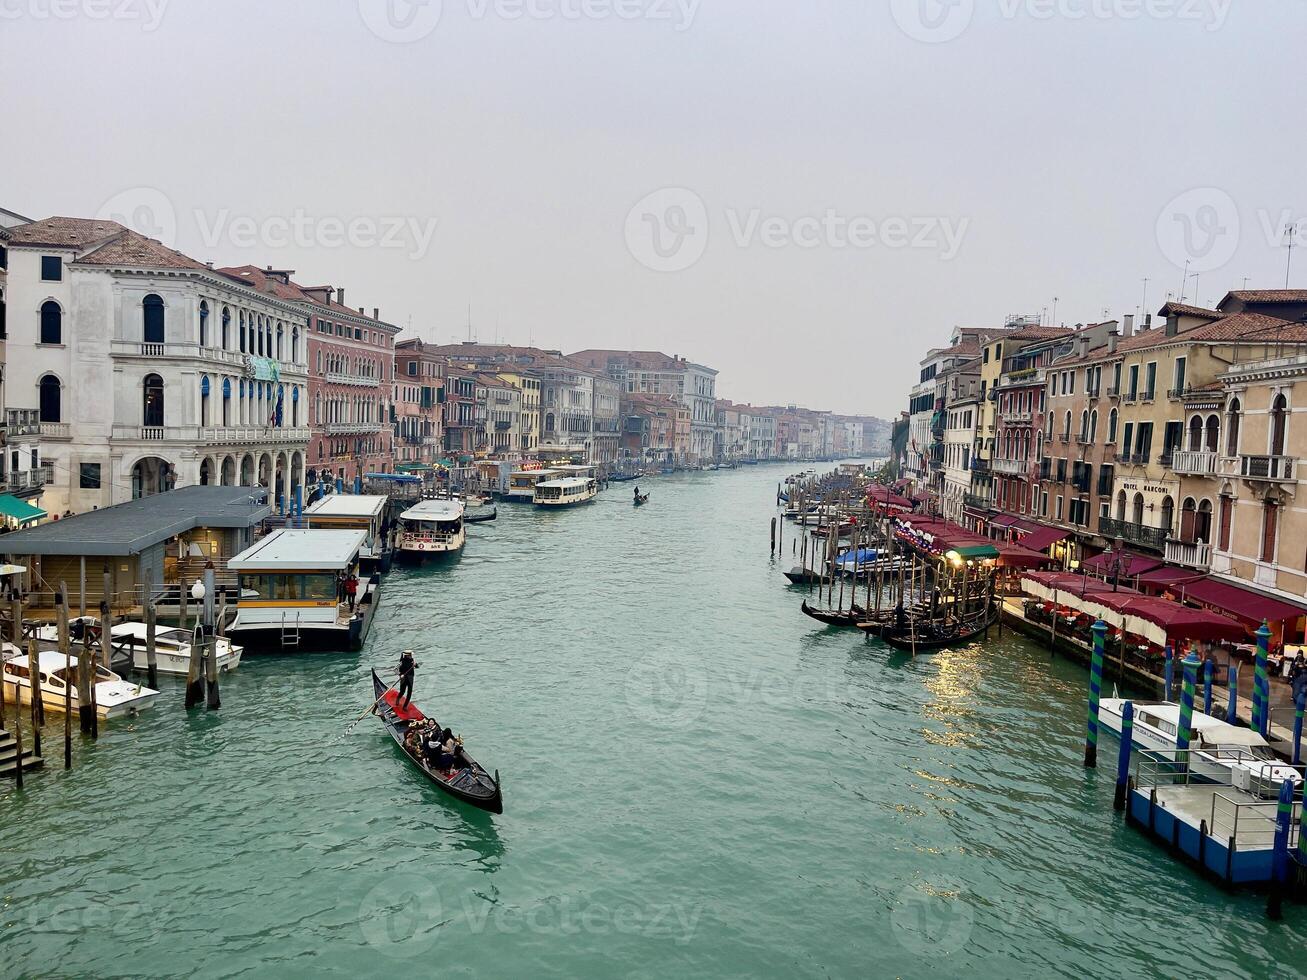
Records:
x=1176, y=622
x=1043, y=538
x=1168, y=577
x=1250, y=607
x=1016, y=556
x=1002, y=520
x=1132, y=564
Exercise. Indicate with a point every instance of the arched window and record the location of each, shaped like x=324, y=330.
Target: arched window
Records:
x=1111, y=427
x=226, y=328
x=51, y=399
x=1203, y=522
x=206, y=415
x=52, y=323
x=279, y=328
x=152, y=306
x=226, y=401
x=1138, y=513
x=204, y=324
x=1188, y=519
x=1232, y=430
x=1168, y=514
x=1084, y=424
x=242, y=331
x=1066, y=429
x=1279, y=418
x=1120, y=505
x=295, y=345
x=1213, y=434
x=152, y=401
x=1196, y=433
x=1093, y=426
x=1227, y=516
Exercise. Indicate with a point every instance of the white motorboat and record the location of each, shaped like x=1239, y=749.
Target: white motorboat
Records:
x=566, y=492
x=1219, y=752
x=114, y=697
x=172, y=646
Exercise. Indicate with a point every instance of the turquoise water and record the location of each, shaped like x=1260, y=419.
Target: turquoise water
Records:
x=698, y=780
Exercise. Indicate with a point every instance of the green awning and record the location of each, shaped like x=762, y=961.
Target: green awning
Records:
x=412, y=467
x=19, y=510
x=974, y=551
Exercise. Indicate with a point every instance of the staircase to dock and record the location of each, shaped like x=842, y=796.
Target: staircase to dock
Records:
x=9, y=756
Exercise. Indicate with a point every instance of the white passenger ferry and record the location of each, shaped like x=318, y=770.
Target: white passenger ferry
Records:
x=291, y=593
x=114, y=697
x=522, y=485
x=431, y=529
x=571, y=486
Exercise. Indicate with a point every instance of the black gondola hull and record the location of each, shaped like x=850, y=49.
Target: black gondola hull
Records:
x=485, y=795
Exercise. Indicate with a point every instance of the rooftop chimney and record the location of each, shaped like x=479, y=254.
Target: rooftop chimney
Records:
x=376, y=312
x=1111, y=342
x=362, y=311
x=1148, y=321
x=1129, y=329
x=340, y=296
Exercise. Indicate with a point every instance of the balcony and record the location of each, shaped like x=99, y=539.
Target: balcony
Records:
x=979, y=465
x=56, y=430
x=1017, y=418
x=1188, y=462
x=1083, y=439
x=352, y=428
x=1134, y=459
x=27, y=481
x=1165, y=460
x=1130, y=397
x=1273, y=469
x=1152, y=538
x=1113, y=391
x=1177, y=394
x=22, y=422
x=356, y=380
x=235, y=360
x=237, y=435
x=976, y=501
x=1191, y=554
x=1010, y=467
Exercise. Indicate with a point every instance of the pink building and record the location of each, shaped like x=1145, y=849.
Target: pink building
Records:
x=351, y=379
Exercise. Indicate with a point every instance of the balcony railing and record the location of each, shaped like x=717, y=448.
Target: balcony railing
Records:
x=979, y=465
x=1153, y=538
x=1093, y=392
x=1165, y=459
x=1277, y=469
x=976, y=501
x=1189, y=462
x=1113, y=391
x=215, y=436
x=1017, y=418
x=234, y=359
x=32, y=479
x=1010, y=467
x=352, y=428
x=56, y=430
x=1193, y=554
x=358, y=380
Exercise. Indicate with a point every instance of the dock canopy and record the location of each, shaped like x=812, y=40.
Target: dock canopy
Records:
x=1249, y=607
x=1044, y=537
x=940, y=537
x=293, y=550
x=19, y=511
x=1159, y=620
x=1132, y=564
x=346, y=505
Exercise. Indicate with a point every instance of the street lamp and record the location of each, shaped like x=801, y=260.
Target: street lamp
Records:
x=197, y=591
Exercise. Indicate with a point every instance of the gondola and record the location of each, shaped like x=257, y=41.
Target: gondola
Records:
x=845, y=617
x=481, y=518
x=927, y=636
x=641, y=499
x=471, y=784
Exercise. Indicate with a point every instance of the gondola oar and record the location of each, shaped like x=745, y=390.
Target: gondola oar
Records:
x=371, y=708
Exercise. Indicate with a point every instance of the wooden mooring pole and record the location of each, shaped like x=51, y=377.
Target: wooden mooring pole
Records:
x=61, y=614
x=214, y=702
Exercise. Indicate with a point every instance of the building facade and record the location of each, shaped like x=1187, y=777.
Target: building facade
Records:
x=419, y=374
x=150, y=370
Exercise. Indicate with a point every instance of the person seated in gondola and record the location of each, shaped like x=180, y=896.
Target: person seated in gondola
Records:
x=431, y=750
x=448, y=750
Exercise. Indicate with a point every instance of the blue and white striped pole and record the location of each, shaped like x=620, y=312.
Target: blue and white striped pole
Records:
x=1168, y=674
x=1232, y=710
x=1262, y=684
x=1209, y=670
x=1095, y=693
x=1123, y=757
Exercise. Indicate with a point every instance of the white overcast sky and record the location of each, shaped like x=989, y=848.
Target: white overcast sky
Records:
x=1065, y=144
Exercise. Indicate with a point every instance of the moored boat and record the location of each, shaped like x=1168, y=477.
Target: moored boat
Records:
x=919, y=636
x=172, y=646
x=567, y=491
x=469, y=781
x=1218, y=751
x=114, y=697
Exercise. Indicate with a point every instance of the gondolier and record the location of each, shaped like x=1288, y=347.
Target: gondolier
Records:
x=407, y=668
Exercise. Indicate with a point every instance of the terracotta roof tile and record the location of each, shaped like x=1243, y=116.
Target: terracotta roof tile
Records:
x=131, y=249
x=61, y=232
x=1269, y=295
x=1184, y=309
x=274, y=284
x=1040, y=333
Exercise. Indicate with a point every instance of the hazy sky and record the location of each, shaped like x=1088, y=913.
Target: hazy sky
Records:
x=802, y=194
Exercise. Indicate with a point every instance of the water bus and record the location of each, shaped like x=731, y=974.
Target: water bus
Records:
x=573, y=485
x=431, y=529
x=291, y=595
x=356, y=513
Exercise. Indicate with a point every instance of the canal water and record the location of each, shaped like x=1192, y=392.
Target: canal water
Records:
x=698, y=780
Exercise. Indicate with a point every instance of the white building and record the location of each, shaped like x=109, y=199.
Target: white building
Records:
x=150, y=370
